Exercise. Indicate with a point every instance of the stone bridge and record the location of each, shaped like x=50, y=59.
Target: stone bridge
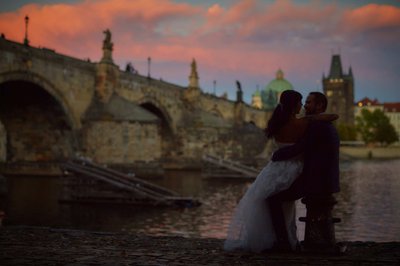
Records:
x=54, y=107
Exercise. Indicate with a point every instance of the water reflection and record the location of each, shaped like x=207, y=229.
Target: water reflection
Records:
x=368, y=205
x=32, y=200
x=369, y=201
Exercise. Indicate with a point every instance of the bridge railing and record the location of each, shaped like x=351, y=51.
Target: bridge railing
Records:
x=90, y=182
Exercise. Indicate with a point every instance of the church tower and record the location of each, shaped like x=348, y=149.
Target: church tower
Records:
x=339, y=89
x=256, y=99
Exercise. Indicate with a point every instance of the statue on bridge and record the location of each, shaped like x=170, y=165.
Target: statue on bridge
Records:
x=194, y=77
x=239, y=92
x=107, y=47
x=107, y=41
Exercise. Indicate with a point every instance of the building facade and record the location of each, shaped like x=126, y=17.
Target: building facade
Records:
x=367, y=103
x=391, y=110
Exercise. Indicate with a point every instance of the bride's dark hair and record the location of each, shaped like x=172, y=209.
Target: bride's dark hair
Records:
x=282, y=112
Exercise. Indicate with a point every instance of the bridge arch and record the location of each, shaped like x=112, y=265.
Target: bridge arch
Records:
x=154, y=106
x=167, y=131
x=214, y=110
x=36, y=125
x=47, y=86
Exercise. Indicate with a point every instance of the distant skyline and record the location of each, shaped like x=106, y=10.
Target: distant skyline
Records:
x=246, y=40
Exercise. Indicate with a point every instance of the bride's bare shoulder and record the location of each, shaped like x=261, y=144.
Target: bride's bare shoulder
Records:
x=292, y=131
x=301, y=122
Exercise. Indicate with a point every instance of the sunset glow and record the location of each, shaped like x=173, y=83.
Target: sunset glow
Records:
x=246, y=40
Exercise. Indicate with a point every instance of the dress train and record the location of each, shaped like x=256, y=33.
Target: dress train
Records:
x=251, y=226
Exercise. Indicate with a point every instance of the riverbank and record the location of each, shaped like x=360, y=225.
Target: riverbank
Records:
x=47, y=246
x=369, y=152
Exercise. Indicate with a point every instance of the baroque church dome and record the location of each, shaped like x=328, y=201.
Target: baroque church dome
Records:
x=279, y=84
x=270, y=96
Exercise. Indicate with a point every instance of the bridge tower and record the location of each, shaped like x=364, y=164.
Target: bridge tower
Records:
x=339, y=89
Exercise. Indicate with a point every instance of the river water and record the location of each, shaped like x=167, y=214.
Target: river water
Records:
x=368, y=205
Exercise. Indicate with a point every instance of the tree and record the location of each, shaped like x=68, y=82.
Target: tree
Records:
x=375, y=127
x=346, y=132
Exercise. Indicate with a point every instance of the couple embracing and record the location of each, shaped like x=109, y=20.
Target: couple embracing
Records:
x=306, y=164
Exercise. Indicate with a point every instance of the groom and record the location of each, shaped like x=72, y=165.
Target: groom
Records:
x=320, y=176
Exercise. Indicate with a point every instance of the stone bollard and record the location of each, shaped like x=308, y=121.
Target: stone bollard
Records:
x=320, y=231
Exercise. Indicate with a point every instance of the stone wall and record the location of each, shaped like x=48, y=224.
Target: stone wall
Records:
x=226, y=109
x=121, y=142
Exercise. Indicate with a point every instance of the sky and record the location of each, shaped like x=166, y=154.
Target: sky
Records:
x=245, y=40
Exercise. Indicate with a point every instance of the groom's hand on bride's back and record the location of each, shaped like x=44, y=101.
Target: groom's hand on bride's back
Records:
x=277, y=156
x=288, y=152
x=282, y=154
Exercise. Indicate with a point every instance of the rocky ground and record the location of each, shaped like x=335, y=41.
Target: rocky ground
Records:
x=49, y=246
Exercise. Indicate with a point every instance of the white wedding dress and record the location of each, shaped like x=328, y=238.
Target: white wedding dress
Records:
x=251, y=226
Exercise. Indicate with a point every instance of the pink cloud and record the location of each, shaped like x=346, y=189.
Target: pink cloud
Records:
x=249, y=28
x=53, y=25
x=372, y=17
x=247, y=38
x=256, y=18
x=215, y=11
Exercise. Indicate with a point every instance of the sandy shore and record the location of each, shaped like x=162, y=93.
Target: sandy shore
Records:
x=47, y=246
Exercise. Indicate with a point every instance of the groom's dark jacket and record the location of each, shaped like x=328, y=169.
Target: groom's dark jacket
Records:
x=320, y=146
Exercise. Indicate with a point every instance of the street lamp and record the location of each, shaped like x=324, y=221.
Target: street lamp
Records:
x=148, y=66
x=26, y=41
x=215, y=84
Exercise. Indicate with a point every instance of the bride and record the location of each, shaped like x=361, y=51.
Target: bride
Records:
x=251, y=227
